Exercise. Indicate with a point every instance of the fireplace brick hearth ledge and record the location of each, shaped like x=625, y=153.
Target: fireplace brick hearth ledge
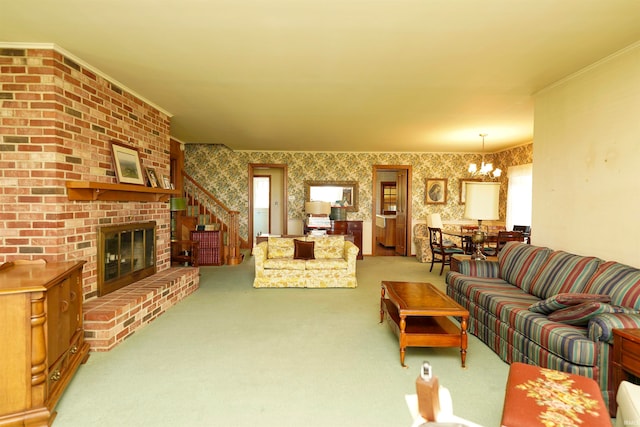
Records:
x=110, y=319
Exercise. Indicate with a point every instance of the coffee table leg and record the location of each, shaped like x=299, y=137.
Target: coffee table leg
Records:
x=403, y=325
x=463, y=340
x=382, y=293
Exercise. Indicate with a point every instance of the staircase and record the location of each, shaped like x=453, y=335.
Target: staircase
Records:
x=203, y=208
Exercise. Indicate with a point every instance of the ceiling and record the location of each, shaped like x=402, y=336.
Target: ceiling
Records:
x=335, y=75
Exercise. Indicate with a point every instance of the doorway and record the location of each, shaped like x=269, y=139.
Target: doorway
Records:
x=391, y=205
x=267, y=202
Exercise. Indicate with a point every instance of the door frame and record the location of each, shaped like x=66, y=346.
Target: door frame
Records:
x=374, y=196
x=285, y=198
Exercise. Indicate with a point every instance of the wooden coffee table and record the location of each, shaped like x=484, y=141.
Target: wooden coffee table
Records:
x=418, y=314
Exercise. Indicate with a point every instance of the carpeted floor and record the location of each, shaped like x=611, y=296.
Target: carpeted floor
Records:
x=231, y=355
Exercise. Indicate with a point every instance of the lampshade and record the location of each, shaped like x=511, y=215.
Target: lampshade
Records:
x=177, y=204
x=434, y=220
x=317, y=208
x=482, y=200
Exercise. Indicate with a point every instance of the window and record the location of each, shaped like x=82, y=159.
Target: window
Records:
x=389, y=200
x=519, y=195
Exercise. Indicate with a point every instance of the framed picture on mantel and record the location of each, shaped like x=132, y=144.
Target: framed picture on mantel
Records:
x=127, y=163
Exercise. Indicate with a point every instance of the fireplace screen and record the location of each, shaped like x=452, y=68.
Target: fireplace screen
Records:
x=126, y=253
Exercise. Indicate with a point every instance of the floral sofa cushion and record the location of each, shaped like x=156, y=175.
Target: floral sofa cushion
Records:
x=327, y=247
x=280, y=247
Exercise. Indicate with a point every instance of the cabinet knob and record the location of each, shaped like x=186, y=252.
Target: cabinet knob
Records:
x=64, y=306
x=74, y=349
x=56, y=375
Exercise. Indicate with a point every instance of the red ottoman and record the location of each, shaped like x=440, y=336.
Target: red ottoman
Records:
x=544, y=397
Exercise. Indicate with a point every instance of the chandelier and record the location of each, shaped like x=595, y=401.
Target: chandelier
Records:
x=487, y=168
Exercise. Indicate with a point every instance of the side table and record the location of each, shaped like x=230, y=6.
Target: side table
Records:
x=457, y=258
x=626, y=358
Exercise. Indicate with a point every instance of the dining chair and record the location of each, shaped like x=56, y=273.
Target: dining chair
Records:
x=502, y=239
x=467, y=244
x=441, y=253
x=526, y=232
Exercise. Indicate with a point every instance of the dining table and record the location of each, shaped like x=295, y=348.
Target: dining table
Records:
x=490, y=236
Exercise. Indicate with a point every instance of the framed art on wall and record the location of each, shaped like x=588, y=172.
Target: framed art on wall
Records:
x=152, y=177
x=436, y=190
x=463, y=189
x=127, y=163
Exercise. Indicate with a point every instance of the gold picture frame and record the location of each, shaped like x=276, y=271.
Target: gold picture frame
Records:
x=127, y=164
x=436, y=191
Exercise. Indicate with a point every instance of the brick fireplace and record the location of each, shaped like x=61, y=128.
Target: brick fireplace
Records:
x=59, y=117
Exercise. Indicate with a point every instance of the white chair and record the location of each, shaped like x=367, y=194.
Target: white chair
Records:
x=628, y=399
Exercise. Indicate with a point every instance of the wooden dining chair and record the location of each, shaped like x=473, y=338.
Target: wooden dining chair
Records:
x=441, y=253
x=503, y=238
x=467, y=244
x=526, y=232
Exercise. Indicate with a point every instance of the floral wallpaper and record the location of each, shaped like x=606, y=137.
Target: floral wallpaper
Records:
x=225, y=173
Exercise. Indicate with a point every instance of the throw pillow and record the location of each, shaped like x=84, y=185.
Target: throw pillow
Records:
x=579, y=315
x=303, y=250
x=560, y=301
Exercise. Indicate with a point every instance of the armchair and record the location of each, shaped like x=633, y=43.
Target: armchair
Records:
x=421, y=240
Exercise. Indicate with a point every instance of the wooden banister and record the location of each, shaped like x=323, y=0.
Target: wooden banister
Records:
x=210, y=210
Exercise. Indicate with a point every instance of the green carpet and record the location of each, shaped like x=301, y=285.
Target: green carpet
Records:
x=231, y=355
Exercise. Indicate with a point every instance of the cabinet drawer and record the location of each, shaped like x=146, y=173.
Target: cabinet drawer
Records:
x=58, y=370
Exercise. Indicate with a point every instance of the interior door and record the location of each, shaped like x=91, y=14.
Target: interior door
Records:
x=261, y=204
x=401, y=213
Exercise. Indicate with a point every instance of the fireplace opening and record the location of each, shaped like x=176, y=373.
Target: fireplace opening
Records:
x=126, y=254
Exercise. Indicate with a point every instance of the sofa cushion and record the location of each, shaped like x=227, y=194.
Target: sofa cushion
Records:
x=621, y=282
x=280, y=247
x=284, y=264
x=326, y=264
x=568, y=342
x=327, y=246
x=565, y=300
x=303, y=250
x=519, y=263
x=563, y=272
x=580, y=314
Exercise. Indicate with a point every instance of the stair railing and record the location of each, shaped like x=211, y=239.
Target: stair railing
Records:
x=209, y=210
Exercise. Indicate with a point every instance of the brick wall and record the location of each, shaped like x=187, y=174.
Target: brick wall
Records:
x=57, y=120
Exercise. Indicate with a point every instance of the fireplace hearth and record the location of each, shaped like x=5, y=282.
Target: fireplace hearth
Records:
x=126, y=254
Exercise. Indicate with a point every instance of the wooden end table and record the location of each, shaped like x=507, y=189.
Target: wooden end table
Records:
x=626, y=358
x=418, y=314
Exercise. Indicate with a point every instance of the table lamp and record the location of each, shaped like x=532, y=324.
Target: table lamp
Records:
x=434, y=221
x=482, y=203
x=317, y=208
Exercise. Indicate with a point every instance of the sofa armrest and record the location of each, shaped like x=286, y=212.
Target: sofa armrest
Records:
x=350, y=254
x=260, y=255
x=488, y=269
x=601, y=326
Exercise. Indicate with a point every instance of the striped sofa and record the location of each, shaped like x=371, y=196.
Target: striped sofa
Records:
x=550, y=308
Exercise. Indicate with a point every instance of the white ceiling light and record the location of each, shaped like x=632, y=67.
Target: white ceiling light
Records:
x=486, y=169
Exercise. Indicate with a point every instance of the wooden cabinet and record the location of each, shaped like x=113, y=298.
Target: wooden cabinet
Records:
x=349, y=227
x=41, y=337
x=626, y=358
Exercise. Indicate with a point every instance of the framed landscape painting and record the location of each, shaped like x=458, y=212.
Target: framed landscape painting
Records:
x=436, y=190
x=127, y=163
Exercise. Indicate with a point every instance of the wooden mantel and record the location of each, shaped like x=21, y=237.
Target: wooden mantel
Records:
x=87, y=191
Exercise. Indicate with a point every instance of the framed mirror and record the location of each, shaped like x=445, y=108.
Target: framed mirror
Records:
x=332, y=192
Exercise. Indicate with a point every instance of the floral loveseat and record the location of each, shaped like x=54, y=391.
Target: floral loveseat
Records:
x=305, y=262
x=550, y=308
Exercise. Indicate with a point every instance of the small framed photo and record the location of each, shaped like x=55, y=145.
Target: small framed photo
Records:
x=166, y=182
x=463, y=189
x=152, y=177
x=436, y=191
x=127, y=163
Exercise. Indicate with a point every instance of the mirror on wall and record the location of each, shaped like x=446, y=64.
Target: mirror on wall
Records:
x=332, y=192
